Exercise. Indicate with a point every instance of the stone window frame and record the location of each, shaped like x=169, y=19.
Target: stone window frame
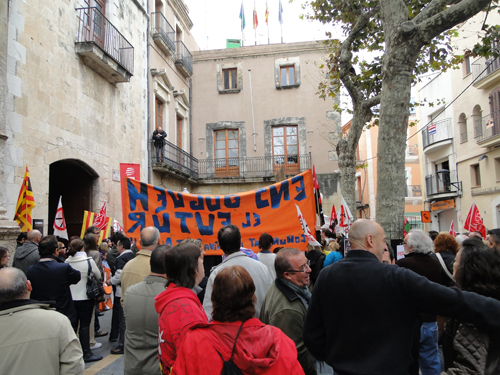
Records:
x=283, y=62
x=182, y=111
x=239, y=77
x=210, y=130
x=300, y=122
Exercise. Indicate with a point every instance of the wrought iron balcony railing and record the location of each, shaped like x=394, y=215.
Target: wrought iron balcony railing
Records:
x=183, y=58
x=94, y=27
x=412, y=191
x=174, y=157
x=436, y=132
x=443, y=182
x=478, y=68
x=160, y=27
x=487, y=127
x=264, y=166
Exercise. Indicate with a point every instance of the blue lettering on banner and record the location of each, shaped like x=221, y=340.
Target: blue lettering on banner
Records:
x=226, y=216
x=289, y=239
x=301, y=189
x=276, y=195
x=283, y=241
x=205, y=230
x=229, y=203
x=134, y=196
x=140, y=221
x=197, y=205
x=251, y=241
x=247, y=224
x=178, y=200
x=213, y=206
x=258, y=198
x=165, y=227
x=297, y=239
x=162, y=197
x=168, y=241
x=183, y=216
x=257, y=219
x=276, y=241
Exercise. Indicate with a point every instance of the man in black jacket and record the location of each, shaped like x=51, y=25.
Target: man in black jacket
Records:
x=50, y=279
x=159, y=136
x=362, y=312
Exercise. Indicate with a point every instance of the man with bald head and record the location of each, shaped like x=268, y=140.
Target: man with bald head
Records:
x=138, y=268
x=362, y=312
x=27, y=254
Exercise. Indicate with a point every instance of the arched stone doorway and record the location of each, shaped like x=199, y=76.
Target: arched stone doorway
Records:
x=73, y=180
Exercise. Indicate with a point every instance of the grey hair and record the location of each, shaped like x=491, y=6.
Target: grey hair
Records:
x=12, y=284
x=282, y=262
x=151, y=240
x=420, y=242
x=461, y=238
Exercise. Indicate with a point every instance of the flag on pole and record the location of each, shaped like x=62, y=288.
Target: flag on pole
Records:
x=59, y=222
x=242, y=16
x=333, y=219
x=346, y=218
x=432, y=129
x=25, y=203
x=280, y=14
x=89, y=219
x=255, y=20
x=452, y=229
x=307, y=232
x=100, y=220
x=317, y=197
x=406, y=227
x=266, y=15
x=116, y=226
x=473, y=222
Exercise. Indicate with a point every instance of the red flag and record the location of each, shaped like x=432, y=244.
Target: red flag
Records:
x=452, y=229
x=100, y=220
x=333, y=219
x=473, y=222
x=317, y=197
x=255, y=20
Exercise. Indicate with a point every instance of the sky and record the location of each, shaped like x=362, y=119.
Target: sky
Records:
x=217, y=20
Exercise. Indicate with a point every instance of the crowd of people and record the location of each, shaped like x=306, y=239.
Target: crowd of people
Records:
x=348, y=310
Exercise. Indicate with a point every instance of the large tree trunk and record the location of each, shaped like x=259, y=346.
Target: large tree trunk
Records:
x=347, y=167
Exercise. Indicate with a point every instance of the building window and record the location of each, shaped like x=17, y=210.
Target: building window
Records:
x=287, y=75
x=497, y=169
x=475, y=175
x=285, y=149
x=462, y=124
x=229, y=77
x=467, y=66
x=159, y=114
x=227, y=153
x=179, y=131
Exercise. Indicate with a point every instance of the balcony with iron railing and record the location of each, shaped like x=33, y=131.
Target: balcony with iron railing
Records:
x=437, y=131
x=254, y=167
x=102, y=47
x=175, y=160
x=183, y=59
x=413, y=191
x=487, y=130
x=163, y=33
x=443, y=182
x=486, y=72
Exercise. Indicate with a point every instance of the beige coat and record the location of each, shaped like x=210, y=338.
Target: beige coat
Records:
x=135, y=270
x=36, y=339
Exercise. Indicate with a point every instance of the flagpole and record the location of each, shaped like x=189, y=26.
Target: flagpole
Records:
x=281, y=33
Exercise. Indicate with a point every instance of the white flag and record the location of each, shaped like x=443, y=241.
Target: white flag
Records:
x=307, y=232
x=116, y=226
x=59, y=222
x=345, y=217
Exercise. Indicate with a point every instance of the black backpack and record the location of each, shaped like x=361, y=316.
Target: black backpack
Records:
x=229, y=367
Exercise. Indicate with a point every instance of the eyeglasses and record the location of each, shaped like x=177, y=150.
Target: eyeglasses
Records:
x=303, y=268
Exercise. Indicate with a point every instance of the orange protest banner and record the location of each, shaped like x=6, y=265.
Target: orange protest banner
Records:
x=179, y=216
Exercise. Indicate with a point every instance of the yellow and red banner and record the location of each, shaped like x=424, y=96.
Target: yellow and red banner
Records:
x=271, y=209
x=25, y=203
x=88, y=220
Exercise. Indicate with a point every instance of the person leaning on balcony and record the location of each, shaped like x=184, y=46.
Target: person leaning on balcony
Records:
x=159, y=136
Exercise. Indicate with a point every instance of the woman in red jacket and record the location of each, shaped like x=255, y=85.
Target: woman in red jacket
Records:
x=178, y=306
x=234, y=333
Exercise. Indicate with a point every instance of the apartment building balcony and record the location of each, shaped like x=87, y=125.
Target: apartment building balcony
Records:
x=174, y=161
x=486, y=72
x=163, y=33
x=413, y=191
x=183, y=59
x=263, y=167
x=487, y=130
x=411, y=153
x=102, y=47
x=444, y=183
x=437, y=134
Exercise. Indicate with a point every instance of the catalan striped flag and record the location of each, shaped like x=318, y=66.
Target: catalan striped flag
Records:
x=25, y=203
x=255, y=19
x=88, y=220
x=266, y=15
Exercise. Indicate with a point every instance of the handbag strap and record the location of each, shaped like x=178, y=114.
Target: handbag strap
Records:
x=443, y=265
x=88, y=270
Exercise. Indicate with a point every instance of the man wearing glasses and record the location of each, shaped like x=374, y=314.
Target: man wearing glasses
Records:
x=287, y=299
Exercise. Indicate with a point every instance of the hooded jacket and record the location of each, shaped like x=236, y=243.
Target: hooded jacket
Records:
x=260, y=349
x=26, y=255
x=178, y=308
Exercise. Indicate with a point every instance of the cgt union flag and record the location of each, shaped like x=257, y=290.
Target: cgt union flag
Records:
x=59, y=222
x=473, y=222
